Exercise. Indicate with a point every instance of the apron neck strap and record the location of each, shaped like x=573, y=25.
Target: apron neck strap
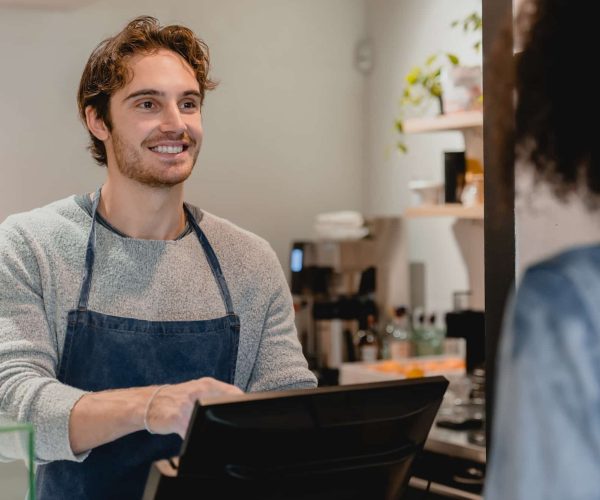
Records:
x=213, y=261
x=90, y=255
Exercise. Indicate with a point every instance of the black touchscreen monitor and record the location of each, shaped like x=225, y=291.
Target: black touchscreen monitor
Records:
x=344, y=442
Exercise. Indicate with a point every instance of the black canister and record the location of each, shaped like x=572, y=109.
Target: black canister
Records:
x=454, y=175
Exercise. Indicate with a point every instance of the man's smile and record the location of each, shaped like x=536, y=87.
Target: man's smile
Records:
x=169, y=148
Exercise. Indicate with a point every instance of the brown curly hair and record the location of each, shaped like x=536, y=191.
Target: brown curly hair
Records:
x=106, y=70
x=555, y=127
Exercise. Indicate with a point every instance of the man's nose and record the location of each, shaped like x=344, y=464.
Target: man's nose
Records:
x=172, y=121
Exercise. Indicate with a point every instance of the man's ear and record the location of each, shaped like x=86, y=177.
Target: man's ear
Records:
x=96, y=124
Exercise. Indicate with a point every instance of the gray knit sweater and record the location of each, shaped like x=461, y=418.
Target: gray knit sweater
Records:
x=41, y=265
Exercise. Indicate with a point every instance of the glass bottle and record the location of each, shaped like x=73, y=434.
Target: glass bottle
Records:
x=418, y=333
x=368, y=344
x=397, y=338
x=438, y=333
x=385, y=338
x=429, y=338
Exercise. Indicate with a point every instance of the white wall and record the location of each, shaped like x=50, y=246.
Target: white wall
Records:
x=283, y=131
x=404, y=33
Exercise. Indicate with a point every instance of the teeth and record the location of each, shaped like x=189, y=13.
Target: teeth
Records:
x=167, y=149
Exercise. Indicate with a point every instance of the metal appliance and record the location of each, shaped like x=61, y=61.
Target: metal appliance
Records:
x=336, y=283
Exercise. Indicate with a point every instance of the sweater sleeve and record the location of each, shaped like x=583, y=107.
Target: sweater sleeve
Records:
x=29, y=390
x=546, y=437
x=280, y=364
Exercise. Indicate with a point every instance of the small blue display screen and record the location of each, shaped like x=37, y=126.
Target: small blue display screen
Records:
x=296, y=260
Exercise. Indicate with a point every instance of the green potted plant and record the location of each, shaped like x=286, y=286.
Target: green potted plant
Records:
x=424, y=83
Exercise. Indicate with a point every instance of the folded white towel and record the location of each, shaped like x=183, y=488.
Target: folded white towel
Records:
x=346, y=218
x=339, y=232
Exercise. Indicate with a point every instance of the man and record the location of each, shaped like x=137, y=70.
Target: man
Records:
x=120, y=309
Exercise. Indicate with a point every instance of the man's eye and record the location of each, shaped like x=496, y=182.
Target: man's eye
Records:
x=146, y=105
x=189, y=105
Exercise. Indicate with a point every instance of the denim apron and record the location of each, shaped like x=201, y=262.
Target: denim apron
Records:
x=108, y=352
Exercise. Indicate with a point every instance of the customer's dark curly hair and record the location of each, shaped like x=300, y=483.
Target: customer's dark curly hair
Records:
x=556, y=115
x=107, y=68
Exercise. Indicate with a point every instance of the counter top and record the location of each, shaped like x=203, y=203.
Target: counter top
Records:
x=455, y=444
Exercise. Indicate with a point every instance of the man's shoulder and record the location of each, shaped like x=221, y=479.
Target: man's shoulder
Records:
x=44, y=222
x=229, y=233
x=251, y=256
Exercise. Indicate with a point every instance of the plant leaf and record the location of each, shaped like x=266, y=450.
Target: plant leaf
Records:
x=413, y=75
x=430, y=60
x=453, y=59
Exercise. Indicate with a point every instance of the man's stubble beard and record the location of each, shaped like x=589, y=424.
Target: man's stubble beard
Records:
x=130, y=164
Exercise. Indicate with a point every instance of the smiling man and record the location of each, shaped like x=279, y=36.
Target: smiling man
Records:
x=120, y=308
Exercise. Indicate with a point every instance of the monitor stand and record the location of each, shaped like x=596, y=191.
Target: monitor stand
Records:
x=164, y=483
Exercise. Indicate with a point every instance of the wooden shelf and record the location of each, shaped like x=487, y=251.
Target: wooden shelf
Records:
x=453, y=121
x=448, y=210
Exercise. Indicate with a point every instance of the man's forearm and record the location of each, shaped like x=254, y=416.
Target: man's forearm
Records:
x=101, y=417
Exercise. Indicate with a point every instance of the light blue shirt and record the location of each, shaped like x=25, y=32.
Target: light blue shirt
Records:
x=546, y=435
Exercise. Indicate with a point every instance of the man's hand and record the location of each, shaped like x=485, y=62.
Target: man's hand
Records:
x=171, y=409
x=101, y=417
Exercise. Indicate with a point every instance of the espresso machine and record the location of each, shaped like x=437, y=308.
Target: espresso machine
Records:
x=337, y=283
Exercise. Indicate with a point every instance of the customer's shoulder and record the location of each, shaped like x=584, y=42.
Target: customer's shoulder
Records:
x=572, y=264
x=46, y=221
x=569, y=277
x=557, y=299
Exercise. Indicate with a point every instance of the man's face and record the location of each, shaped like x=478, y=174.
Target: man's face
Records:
x=156, y=123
